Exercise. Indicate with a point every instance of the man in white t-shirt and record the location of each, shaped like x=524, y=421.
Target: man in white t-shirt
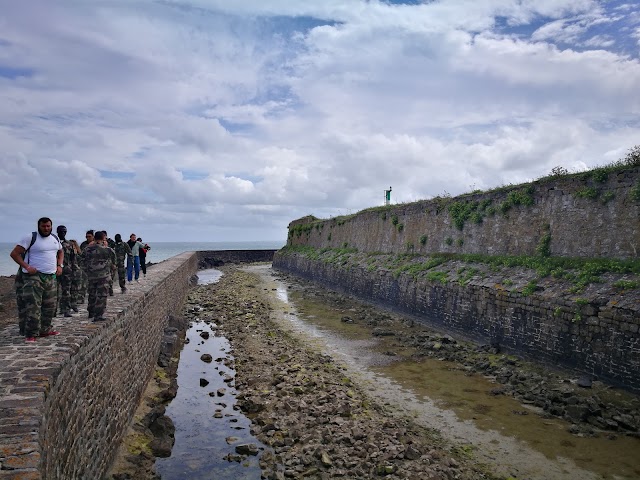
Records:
x=40, y=262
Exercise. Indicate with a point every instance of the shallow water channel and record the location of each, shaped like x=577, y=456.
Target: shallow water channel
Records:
x=498, y=430
x=207, y=427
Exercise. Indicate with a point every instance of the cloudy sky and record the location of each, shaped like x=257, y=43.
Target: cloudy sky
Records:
x=213, y=120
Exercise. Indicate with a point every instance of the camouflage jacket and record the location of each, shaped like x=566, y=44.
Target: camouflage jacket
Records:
x=70, y=258
x=100, y=261
x=122, y=250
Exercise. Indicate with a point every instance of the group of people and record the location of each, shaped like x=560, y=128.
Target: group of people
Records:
x=56, y=274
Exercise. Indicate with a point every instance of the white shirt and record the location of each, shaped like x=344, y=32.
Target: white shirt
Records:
x=43, y=254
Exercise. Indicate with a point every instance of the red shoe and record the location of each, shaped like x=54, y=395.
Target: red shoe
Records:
x=30, y=340
x=50, y=333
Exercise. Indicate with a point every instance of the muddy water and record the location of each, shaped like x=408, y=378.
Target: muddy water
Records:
x=500, y=431
x=207, y=426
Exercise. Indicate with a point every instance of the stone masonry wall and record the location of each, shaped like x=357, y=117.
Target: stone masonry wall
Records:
x=66, y=401
x=541, y=326
x=584, y=216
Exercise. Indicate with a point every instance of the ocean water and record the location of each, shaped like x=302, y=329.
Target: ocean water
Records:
x=159, y=251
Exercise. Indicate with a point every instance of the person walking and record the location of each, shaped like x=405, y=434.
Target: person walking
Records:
x=100, y=262
x=76, y=277
x=112, y=245
x=82, y=292
x=65, y=302
x=40, y=257
x=133, y=260
x=144, y=248
x=123, y=251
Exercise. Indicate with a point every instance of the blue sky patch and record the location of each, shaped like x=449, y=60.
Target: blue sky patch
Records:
x=15, y=72
x=116, y=175
x=193, y=175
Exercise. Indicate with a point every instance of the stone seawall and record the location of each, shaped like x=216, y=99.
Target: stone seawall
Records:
x=599, y=336
x=578, y=216
x=66, y=401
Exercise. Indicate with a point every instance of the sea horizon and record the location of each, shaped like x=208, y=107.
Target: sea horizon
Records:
x=159, y=250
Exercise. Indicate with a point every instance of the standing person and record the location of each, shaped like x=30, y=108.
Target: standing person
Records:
x=82, y=292
x=122, y=251
x=100, y=262
x=133, y=260
x=76, y=277
x=40, y=257
x=112, y=245
x=144, y=248
x=65, y=302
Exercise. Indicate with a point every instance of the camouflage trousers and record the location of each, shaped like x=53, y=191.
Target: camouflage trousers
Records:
x=112, y=280
x=65, y=302
x=82, y=287
x=98, y=290
x=38, y=298
x=122, y=276
x=22, y=307
x=76, y=286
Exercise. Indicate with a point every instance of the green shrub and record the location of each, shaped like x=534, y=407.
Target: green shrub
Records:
x=626, y=284
x=607, y=197
x=400, y=227
x=394, y=219
x=423, y=240
x=449, y=241
x=529, y=288
x=600, y=175
x=588, y=192
x=476, y=217
x=460, y=242
x=437, y=277
x=543, y=249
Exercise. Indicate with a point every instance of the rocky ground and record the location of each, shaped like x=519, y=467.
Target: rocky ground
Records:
x=317, y=422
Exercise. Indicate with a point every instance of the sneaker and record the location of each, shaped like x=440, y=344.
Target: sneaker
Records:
x=124, y=290
x=68, y=314
x=50, y=333
x=99, y=319
x=30, y=340
x=74, y=308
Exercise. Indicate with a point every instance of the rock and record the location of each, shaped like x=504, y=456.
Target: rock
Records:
x=247, y=449
x=205, y=357
x=204, y=382
x=204, y=335
x=585, y=381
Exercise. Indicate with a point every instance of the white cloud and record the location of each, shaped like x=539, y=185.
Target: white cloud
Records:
x=238, y=117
